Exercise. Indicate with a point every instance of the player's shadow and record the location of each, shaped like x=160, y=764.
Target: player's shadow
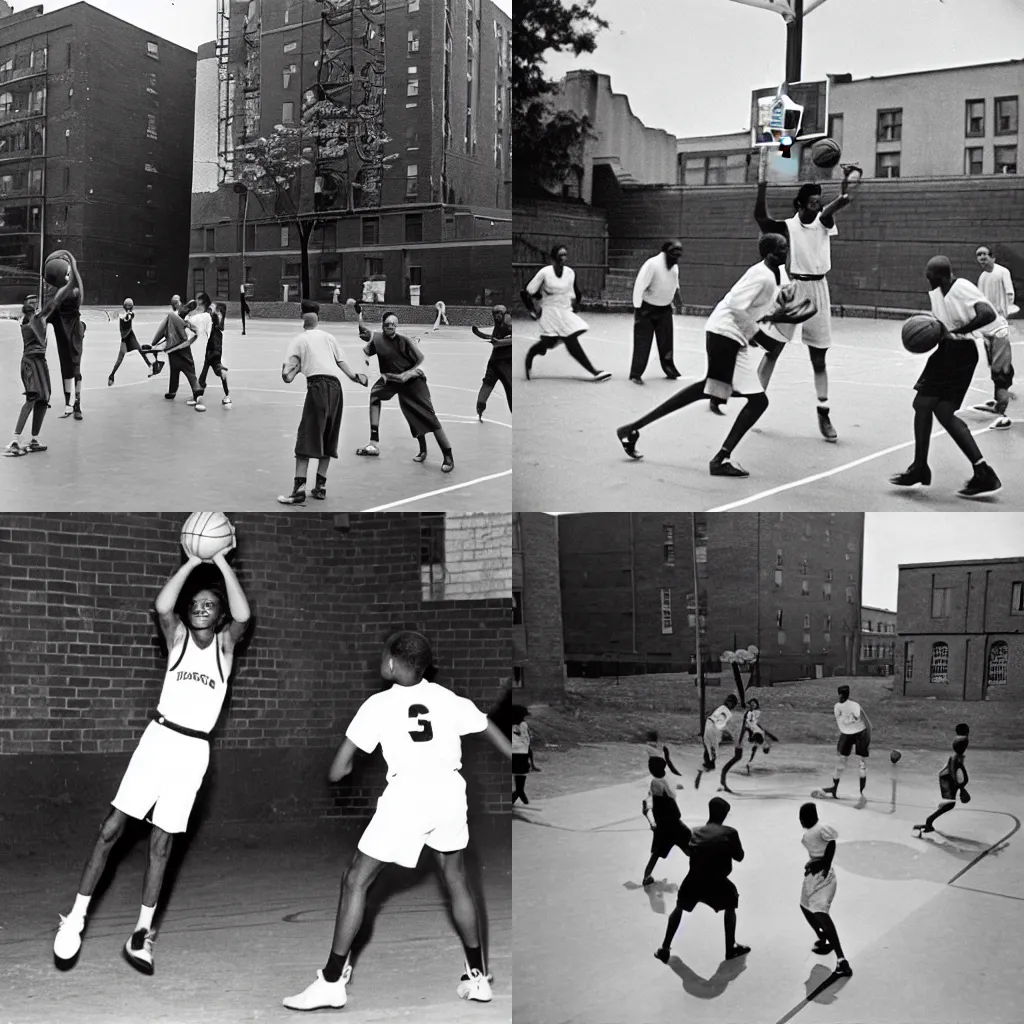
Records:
x=960, y=846
x=708, y=988
x=823, y=986
x=656, y=892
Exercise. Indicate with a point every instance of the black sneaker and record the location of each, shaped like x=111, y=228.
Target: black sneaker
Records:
x=739, y=950
x=170, y=396
x=77, y=410
x=912, y=476
x=319, y=493
x=636, y=380
x=825, y=426
x=662, y=954
x=724, y=466
x=983, y=482
x=716, y=407
x=843, y=969
x=628, y=439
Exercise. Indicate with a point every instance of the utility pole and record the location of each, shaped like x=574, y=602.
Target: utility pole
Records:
x=696, y=620
x=794, y=42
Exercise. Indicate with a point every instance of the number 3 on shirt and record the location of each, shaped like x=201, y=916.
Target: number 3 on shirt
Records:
x=425, y=731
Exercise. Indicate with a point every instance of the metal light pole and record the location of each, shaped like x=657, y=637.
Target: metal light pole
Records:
x=696, y=619
x=794, y=42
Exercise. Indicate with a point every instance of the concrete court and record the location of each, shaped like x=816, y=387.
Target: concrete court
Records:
x=929, y=929
x=567, y=458
x=248, y=922
x=134, y=449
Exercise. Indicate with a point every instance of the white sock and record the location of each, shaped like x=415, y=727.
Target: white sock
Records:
x=81, y=906
x=145, y=917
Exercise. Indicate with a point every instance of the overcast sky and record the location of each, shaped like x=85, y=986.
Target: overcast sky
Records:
x=185, y=22
x=689, y=66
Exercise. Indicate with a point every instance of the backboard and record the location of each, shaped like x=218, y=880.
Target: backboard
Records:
x=812, y=96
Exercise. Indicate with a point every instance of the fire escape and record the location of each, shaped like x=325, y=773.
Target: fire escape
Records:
x=225, y=94
x=238, y=63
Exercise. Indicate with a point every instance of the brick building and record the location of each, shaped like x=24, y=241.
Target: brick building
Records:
x=877, y=641
x=95, y=152
x=81, y=663
x=961, y=629
x=787, y=582
x=432, y=78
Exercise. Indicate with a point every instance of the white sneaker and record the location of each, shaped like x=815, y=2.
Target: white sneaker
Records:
x=1003, y=423
x=475, y=985
x=989, y=406
x=138, y=950
x=13, y=450
x=225, y=401
x=321, y=993
x=191, y=401
x=200, y=407
x=68, y=940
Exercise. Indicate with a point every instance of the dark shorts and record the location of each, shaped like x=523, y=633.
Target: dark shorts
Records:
x=947, y=786
x=69, y=331
x=499, y=368
x=520, y=764
x=213, y=363
x=182, y=361
x=414, y=399
x=717, y=893
x=667, y=836
x=35, y=376
x=949, y=371
x=317, y=437
x=130, y=342
x=850, y=741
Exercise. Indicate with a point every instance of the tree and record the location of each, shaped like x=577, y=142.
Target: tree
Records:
x=547, y=143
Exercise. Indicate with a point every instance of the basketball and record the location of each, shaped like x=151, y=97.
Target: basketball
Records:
x=56, y=271
x=825, y=153
x=895, y=756
x=921, y=332
x=206, y=533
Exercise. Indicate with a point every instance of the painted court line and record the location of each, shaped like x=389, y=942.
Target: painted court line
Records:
x=440, y=490
x=828, y=472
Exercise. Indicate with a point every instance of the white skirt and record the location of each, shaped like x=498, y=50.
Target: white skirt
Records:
x=558, y=322
x=818, y=891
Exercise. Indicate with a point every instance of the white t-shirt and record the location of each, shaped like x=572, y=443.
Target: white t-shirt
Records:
x=997, y=287
x=196, y=682
x=202, y=325
x=817, y=837
x=656, y=283
x=316, y=352
x=810, y=248
x=957, y=307
x=555, y=292
x=419, y=729
x=848, y=718
x=753, y=296
x=720, y=717
x=752, y=721
x=520, y=738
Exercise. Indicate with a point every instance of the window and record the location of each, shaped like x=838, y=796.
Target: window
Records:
x=828, y=536
x=412, y=184
x=973, y=160
x=292, y=270
x=198, y=280
x=151, y=88
x=807, y=622
x=826, y=642
x=210, y=239
x=432, y=563
x=715, y=174
x=866, y=626
x=291, y=47
x=414, y=6
x=887, y=165
x=6, y=102
x=284, y=237
x=1006, y=115
x=1006, y=159
x=803, y=567
x=412, y=138
x=849, y=595
x=975, y=118
x=890, y=125
x=666, y=611
x=908, y=661
x=828, y=574
x=1017, y=599
x=151, y=126
x=701, y=542
x=286, y=75
x=287, y=111
x=939, y=672
x=517, y=607
x=778, y=578
x=413, y=87
x=807, y=528
x=782, y=638
x=805, y=588
x=518, y=677
x=152, y=49
x=940, y=601
x=835, y=128
x=778, y=618
x=373, y=266
x=778, y=556
x=223, y=283
x=414, y=41
x=371, y=230
x=998, y=659
x=669, y=543
x=807, y=641
x=69, y=55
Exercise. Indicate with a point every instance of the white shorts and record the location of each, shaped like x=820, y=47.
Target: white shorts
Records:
x=744, y=376
x=818, y=892
x=712, y=737
x=558, y=322
x=816, y=332
x=164, y=774
x=411, y=817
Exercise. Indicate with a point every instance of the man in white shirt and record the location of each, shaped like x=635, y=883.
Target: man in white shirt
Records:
x=732, y=329
x=854, y=734
x=714, y=726
x=996, y=285
x=653, y=293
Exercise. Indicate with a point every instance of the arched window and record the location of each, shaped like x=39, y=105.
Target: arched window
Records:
x=998, y=656
x=940, y=663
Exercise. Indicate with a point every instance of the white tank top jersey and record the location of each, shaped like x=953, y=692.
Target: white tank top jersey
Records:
x=997, y=287
x=957, y=306
x=555, y=292
x=720, y=717
x=810, y=251
x=848, y=717
x=520, y=739
x=419, y=729
x=196, y=683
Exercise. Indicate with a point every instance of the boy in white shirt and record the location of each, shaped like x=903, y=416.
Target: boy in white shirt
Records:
x=996, y=285
x=520, y=752
x=714, y=726
x=419, y=727
x=854, y=734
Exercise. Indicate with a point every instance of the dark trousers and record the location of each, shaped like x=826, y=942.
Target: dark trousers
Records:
x=652, y=322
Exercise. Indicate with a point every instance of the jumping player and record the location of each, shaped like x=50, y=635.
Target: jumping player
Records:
x=854, y=734
x=668, y=827
x=731, y=332
x=214, y=351
x=809, y=233
x=35, y=377
x=69, y=332
x=419, y=726
x=316, y=354
x=399, y=359
x=129, y=343
x=499, y=365
x=947, y=375
x=713, y=848
x=520, y=752
x=554, y=286
x=819, y=886
x=754, y=731
x=168, y=766
x=714, y=726
x=996, y=284
x=953, y=780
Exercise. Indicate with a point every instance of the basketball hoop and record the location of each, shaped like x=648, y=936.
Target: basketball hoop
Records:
x=778, y=121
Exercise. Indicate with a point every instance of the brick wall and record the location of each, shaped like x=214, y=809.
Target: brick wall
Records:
x=538, y=225
x=539, y=654
x=478, y=555
x=458, y=316
x=81, y=663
